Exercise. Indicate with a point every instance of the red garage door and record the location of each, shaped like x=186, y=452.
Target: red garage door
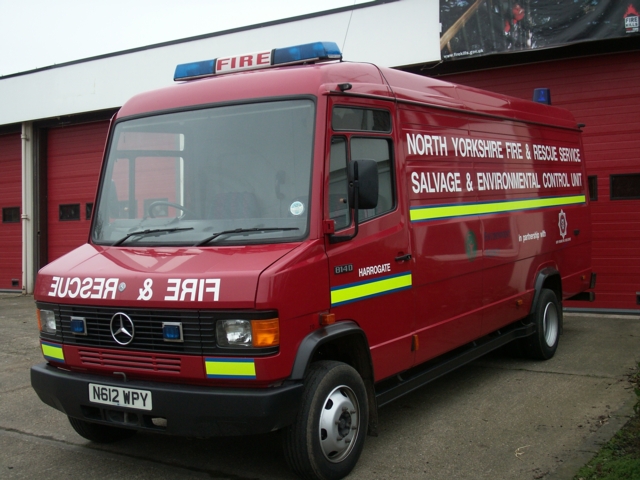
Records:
x=74, y=157
x=603, y=93
x=10, y=202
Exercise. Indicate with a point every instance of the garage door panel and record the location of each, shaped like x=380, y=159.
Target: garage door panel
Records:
x=10, y=204
x=74, y=157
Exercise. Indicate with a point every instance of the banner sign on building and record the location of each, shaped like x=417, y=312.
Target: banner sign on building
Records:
x=482, y=27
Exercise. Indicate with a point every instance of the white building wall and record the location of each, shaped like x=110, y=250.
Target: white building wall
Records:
x=404, y=32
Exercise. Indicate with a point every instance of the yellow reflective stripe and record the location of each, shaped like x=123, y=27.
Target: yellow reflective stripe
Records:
x=434, y=212
x=243, y=368
x=369, y=288
x=52, y=352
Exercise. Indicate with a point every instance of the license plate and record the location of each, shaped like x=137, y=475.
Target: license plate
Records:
x=120, y=397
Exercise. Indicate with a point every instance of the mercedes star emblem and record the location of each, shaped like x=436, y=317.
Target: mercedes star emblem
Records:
x=122, y=329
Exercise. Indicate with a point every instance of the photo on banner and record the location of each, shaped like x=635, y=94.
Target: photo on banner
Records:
x=472, y=28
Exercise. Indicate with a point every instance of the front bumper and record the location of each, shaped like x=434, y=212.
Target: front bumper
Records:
x=177, y=409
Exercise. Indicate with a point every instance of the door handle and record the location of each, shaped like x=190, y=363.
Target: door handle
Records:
x=403, y=258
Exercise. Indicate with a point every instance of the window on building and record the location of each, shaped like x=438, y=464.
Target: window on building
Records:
x=11, y=215
x=69, y=212
x=593, y=187
x=625, y=186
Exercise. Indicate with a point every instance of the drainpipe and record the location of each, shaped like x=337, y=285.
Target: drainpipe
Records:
x=27, y=209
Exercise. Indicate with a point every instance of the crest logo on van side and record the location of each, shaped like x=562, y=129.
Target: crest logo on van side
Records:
x=562, y=223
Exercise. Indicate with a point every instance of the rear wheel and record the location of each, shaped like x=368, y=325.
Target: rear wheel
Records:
x=327, y=437
x=543, y=344
x=100, y=433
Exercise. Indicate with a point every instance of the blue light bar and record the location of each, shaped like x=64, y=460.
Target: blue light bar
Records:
x=542, y=95
x=310, y=52
x=188, y=71
x=307, y=53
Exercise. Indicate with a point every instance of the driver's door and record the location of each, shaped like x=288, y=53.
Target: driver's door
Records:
x=370, y=275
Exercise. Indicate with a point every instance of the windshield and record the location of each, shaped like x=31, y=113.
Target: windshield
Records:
x=226, y=175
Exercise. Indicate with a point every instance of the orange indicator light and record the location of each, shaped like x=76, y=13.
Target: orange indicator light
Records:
x=266, y=333
x=327, y=318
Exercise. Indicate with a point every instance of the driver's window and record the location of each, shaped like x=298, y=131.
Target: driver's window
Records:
x=363, y=147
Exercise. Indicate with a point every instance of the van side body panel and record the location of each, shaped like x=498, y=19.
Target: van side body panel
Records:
x=493, y=201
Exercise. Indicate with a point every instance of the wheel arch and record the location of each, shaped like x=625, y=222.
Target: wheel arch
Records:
x=344, y=342
x=549, y=278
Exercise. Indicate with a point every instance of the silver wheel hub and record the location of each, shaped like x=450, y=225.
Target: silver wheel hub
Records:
x=339, y=423
x=551, y=324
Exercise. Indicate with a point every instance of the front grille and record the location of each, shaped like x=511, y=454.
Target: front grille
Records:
x=197, y=329
x=198, y=332
x=142, y=362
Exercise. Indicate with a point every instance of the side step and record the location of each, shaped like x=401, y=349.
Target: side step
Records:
x=406, y=382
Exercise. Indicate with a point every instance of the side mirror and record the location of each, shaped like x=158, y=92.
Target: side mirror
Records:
x=363, y=174
x=363, y=192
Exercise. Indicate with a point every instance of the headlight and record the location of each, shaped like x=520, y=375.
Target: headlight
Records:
x=248, y=333
x=47, y=321
x=234, y=333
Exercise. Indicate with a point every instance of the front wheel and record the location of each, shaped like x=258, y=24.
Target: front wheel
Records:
x=327, y=437
x=543, y=344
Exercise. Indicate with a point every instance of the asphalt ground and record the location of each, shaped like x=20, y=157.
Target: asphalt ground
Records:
x=497, y=418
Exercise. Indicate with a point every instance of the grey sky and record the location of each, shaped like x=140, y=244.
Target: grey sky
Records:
x=40, y=33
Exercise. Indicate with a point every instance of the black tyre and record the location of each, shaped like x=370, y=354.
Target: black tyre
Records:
x=543, y=344
x=100, y=433
x=327, y=437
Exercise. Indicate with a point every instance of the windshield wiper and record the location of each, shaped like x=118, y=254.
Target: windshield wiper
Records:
x=241, y=231
x=149, y=231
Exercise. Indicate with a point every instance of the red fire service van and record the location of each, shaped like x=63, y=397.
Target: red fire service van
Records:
x=284, y=240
